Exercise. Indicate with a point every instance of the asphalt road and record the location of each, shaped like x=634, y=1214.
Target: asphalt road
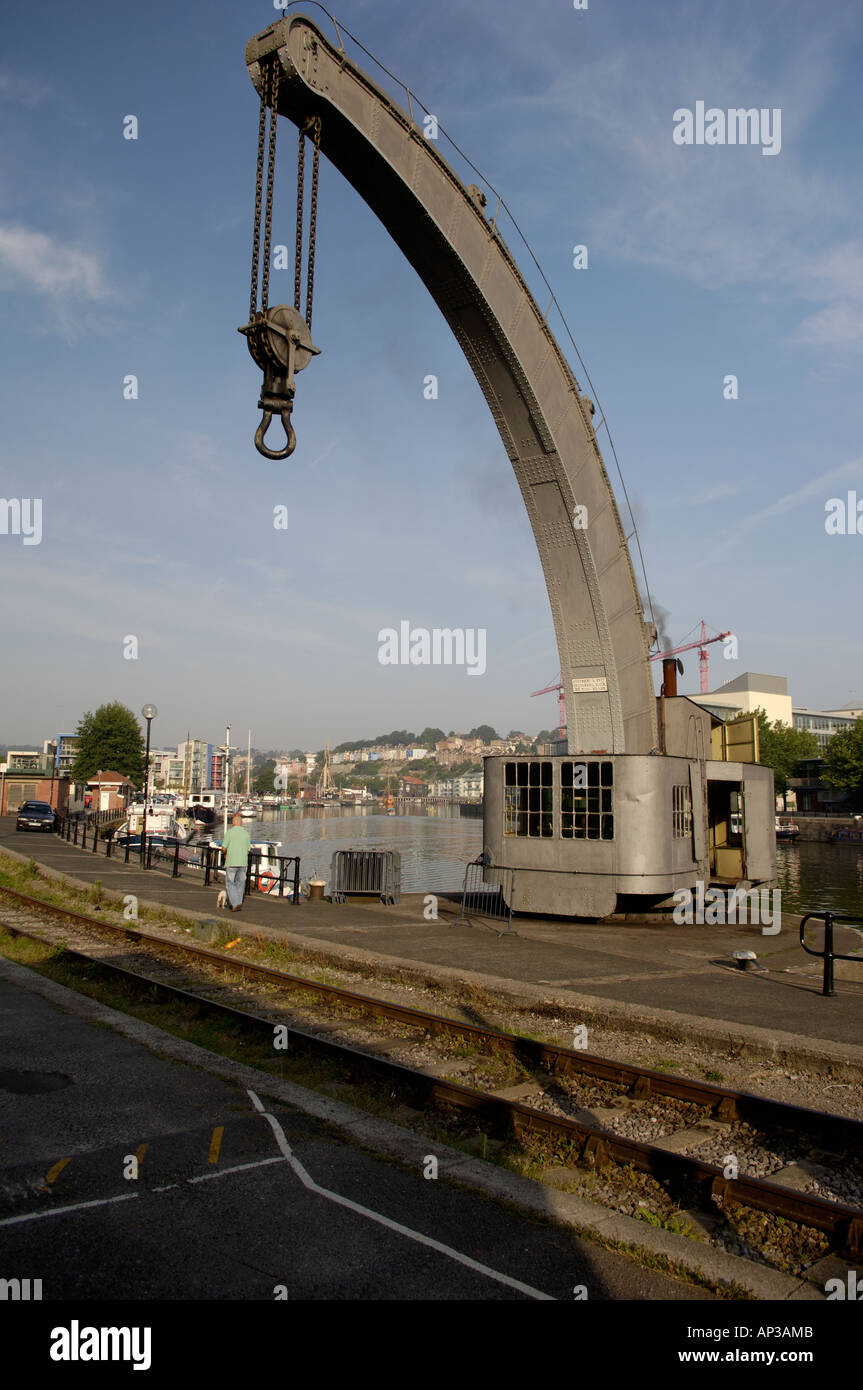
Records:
x=235, y=1197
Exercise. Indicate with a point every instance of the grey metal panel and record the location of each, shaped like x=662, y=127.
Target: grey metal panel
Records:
x=533, y=396
x=699, y=811
x=759, y=821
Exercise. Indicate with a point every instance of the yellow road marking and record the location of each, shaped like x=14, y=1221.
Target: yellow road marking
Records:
x=56, y=1171
x=140, y=1151
x=216, y=1144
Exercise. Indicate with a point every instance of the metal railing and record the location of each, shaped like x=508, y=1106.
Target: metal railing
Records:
x=828, y=954
x=487, y=894
x=204, y=860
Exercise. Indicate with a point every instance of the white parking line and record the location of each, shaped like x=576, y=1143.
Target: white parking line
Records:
x=61, y=1211
x=239, y=1168
x=308, y=1181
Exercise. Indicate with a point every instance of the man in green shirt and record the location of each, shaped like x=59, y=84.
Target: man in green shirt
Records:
x=236, y=846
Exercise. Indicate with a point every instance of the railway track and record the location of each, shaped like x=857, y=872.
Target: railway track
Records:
x=564, y=1093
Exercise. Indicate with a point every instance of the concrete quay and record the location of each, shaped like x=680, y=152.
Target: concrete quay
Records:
x=673, y=981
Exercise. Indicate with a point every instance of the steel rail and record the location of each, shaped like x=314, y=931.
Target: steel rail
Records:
x=511, y=1118
x=723, y=1102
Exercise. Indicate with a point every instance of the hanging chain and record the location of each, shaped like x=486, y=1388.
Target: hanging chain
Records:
x=313, y=220
x=269, y=97
x=271, y=174
x=259, y=190
x=278, y=339
x=298, y=255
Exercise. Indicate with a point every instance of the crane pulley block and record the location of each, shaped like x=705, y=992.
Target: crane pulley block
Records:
x=280, y=342
x=279, y=338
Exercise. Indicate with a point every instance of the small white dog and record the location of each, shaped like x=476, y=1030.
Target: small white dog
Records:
x=222, y=899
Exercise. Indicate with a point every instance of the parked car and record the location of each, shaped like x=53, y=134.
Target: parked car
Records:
x=36, y=815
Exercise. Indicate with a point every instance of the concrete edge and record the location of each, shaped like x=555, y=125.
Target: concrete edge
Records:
x=821, y=1057
x=382, y=1136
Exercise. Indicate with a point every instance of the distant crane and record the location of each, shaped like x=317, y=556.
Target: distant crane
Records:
x=704, y=667
x=702, y=645
x=561, y=703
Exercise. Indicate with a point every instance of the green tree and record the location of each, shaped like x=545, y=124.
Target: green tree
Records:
x=109, y=741
x=264, y=783
x=429, y=737
x=843, y=761
x=483, y=731
x=782, y=747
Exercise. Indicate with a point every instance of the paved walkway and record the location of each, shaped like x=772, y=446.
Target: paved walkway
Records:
x=125, y=1174
x=657, y=970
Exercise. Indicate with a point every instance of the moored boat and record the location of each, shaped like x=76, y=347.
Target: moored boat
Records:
x=786, y=828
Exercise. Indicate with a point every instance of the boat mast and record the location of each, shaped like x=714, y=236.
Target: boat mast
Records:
x=248, y=764
x=227, y=775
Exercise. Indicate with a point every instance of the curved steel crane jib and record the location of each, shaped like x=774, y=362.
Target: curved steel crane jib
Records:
x=542, y=417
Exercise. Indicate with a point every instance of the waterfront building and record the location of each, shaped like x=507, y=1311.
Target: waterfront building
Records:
x=824, y=723
x=747, y=693
x=197, y=757
x=109, y=791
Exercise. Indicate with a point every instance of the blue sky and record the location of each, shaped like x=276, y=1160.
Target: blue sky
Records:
x=124, y=257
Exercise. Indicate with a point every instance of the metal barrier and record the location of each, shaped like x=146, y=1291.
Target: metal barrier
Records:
x=828, y=954
x=487, y=893
x=375, y=872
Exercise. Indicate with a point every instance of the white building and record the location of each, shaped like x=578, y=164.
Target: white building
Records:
x=824, y=723
x=747, y=693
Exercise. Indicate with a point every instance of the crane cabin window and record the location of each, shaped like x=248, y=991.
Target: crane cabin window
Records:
x=681, y=812
x=528, y=800
x=587, y=801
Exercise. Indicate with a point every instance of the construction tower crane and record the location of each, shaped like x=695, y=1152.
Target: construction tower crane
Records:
x=561, y=703
x=702, y=645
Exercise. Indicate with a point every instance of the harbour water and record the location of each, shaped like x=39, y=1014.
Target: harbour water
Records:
x=819, y=877
x=435, y=843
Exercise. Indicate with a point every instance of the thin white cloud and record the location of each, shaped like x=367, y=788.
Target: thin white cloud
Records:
x=24, y=91
x=816, y=488
x=47, y=265
x=717, y=216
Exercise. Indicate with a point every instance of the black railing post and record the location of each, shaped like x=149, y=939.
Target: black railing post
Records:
x=206, y=863
x=296, y=879
x=828, y=987
x=128, y=843
x=75, y=837
x=176, y=872
x=95, y=838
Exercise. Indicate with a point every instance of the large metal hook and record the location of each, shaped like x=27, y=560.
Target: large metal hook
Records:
x=289, y=434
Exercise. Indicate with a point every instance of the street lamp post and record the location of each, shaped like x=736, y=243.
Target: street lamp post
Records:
x=149, y=712
x=227, y=777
